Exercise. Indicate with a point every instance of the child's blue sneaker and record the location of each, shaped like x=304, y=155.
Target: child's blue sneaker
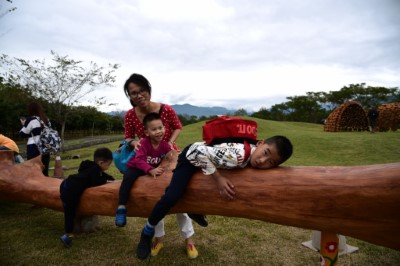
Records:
x=67, y=241
x=120, y=217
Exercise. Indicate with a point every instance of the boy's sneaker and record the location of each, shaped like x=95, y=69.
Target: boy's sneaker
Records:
x=155, y=249
x=191, y=251
x=200, y=219
x=144, y=246
x=67, y=241
x=120, y=217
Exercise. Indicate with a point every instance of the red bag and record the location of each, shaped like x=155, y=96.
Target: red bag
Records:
x=225, y=127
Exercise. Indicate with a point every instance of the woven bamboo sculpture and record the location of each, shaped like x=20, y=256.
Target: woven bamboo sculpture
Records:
x=349, y=116
x=389, y=117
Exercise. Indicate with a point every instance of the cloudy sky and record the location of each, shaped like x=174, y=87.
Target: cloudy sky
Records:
x=231, y=53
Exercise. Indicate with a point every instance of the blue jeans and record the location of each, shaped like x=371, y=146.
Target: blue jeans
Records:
x=173, y=193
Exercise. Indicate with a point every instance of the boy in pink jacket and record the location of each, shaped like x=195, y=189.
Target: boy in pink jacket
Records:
x=147, y=161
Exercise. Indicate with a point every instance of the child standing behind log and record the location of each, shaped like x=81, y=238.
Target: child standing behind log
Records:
x=264, y=155
x=90, y=174
x=147, y=161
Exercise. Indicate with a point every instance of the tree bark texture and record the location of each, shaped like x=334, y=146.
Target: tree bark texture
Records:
x=358, y=201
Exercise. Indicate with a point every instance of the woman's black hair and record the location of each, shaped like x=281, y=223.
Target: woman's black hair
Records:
x=139, y=80
x=36, y=109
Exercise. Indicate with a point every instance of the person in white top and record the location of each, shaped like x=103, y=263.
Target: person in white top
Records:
x=31, y=129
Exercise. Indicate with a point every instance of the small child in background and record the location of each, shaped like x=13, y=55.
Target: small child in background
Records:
x=265, y=154
x=90, y=174
x=147, y=161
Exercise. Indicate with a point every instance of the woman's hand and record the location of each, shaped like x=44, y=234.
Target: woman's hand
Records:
x=135, y=144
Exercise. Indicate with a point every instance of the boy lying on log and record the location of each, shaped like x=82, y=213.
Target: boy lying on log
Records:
x=264, y=154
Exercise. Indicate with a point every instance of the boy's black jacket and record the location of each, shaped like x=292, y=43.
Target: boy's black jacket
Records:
x=89, y=175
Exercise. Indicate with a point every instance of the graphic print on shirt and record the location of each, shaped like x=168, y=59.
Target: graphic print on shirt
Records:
x=155, y=160
x=225, y=156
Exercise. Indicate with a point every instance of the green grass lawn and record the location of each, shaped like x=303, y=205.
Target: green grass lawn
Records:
x=31, y=236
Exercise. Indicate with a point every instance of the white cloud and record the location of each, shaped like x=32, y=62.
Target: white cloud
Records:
x=184, y=10
x=231, y=53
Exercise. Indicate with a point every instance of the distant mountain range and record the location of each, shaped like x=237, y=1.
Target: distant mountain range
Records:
x=191, y=110
x=187, y=109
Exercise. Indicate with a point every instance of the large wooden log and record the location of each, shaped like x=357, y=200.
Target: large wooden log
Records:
x=358, y=201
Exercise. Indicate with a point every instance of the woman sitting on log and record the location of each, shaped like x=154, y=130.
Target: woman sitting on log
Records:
x=138, y=89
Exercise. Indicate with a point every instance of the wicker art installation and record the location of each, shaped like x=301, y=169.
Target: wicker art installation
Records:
x=349, y=116
x=389, y=117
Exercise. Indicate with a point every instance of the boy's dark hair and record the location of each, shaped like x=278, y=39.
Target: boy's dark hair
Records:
x=102, y=154
x=283, y=146
x=150, y=117
x=139, y=80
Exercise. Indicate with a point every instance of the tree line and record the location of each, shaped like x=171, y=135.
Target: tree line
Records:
x=87, y=120
x=81, y=121
x=315, y=107
x=59, y=86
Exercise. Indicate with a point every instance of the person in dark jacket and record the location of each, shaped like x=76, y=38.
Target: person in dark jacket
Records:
x=90, y=174
x=373, y=114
